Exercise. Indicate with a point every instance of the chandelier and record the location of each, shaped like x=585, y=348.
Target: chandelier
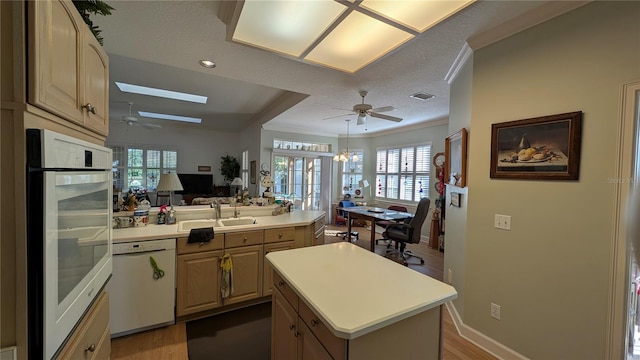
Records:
x=345, y=155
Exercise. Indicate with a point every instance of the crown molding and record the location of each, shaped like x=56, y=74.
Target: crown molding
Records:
x=464, y=55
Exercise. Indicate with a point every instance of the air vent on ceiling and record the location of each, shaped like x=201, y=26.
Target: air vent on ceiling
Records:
x=422, y=96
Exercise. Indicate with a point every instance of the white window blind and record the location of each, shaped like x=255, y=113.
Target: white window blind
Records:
x=403, y=173
x=139, y=168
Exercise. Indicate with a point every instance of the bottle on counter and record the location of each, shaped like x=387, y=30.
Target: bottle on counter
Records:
x=171, y=219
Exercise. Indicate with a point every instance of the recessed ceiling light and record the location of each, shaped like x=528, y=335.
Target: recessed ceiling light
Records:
x=169, y=117
x=143, y=90
x=207, y=63
x=422, y=96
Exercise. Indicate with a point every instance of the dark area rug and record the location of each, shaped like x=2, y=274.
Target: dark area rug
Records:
x=235, y=335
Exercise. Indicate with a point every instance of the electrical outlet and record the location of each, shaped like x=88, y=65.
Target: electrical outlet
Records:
x=495, y=311
x=450, y=276
x=502, y=222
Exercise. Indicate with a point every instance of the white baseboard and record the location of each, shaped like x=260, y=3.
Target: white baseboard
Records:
x=480, y=340
x=10, y=353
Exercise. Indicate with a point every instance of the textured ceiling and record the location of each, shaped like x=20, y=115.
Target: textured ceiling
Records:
x=159, y=43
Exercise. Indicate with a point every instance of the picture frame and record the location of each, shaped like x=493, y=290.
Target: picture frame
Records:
x=455, y=199
x=252, y=172
x=204, y=168
x=455, y=152
x=541, y=148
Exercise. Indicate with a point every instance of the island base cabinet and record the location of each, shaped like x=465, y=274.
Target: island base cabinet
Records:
x=284, y=323
x=198, y=285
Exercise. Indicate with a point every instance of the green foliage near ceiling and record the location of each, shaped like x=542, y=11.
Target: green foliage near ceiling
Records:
x=229, y=167
x=88, y=7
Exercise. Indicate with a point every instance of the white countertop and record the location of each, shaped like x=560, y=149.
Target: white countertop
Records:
x=355, y=291
x=153, y=231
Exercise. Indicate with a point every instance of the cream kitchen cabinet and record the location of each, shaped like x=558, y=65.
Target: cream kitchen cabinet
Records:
x=246, y=253
x=275, y=240
x=68, y=71
x=298, y=334
x=91, y=339
x=198, y=280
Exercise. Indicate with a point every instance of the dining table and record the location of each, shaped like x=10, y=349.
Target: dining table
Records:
x=373, y=214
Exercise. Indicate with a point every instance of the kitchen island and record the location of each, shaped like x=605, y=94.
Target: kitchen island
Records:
x=343, y=302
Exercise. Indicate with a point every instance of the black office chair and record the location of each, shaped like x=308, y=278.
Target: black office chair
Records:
x=386, y=223
x=342, y=217
x=408, y=232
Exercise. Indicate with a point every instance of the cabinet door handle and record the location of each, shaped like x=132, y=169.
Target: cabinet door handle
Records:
x=90, y=348
x=245, y=239
x=314, y=322
x=281, y=283
x=280, y=236
x=90, y=108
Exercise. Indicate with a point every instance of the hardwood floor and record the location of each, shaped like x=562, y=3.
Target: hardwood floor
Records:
x=170, y=342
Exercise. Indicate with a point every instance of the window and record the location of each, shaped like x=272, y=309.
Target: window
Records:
x=137, y=167
x=352, y=172
x=403, y=173
x=244, y=170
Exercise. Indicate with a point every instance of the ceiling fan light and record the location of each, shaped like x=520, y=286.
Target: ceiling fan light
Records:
x=361, y=119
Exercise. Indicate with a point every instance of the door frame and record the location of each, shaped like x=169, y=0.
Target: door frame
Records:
x=625, y=170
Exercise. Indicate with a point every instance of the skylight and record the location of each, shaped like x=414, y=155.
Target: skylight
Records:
x=143, y=90
x=169, y=117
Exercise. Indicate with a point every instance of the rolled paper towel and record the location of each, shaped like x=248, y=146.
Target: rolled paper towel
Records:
x=200, y=235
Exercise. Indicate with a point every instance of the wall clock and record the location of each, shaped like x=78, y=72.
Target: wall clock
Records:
x=438, y=159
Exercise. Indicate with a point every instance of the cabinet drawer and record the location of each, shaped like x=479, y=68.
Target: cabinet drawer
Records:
x=217, y=243
x=90, y=334
x=281, y=234
x=286, y=290
x=319, y=224
x=243, y=239
x=334, y=345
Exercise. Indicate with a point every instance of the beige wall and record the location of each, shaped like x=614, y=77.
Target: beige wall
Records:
x=551, y=272
x=456, y=217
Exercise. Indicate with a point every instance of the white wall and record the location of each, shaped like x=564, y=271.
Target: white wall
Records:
x=551, y=272
x=195, y=146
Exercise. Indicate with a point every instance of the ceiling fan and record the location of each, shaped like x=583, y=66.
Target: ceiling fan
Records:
x=365, y=110
x=131, y=120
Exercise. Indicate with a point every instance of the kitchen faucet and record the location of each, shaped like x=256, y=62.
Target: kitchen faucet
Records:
x=216, y=205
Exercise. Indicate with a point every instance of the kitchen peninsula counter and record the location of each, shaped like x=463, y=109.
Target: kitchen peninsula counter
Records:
x=367, y=299
x=153, y=231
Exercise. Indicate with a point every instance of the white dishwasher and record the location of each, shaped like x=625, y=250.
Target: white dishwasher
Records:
x=142, y=286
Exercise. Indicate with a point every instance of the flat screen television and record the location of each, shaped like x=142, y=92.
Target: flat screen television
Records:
x=196, y=183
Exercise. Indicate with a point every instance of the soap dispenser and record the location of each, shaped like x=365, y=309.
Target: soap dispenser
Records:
x=171, y=219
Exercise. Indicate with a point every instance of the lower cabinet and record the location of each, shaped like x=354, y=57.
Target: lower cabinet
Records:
x=92, y=339
x=247, y=273
x=267, y=288
x=198, y=284
x=296, y=333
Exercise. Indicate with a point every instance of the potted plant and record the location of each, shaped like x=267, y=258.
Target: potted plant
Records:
x=229, y=167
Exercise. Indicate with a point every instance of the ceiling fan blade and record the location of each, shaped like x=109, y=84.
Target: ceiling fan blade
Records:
x=383, y=109
x=150, y=126
x=333, y=117
x=386, y=117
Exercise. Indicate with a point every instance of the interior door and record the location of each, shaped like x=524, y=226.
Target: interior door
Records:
x=299, y=180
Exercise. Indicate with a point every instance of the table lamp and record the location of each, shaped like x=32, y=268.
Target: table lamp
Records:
x=169, y=182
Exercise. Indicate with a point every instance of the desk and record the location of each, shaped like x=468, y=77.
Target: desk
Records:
x=372, y=214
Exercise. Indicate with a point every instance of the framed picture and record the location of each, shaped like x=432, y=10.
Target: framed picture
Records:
x=204, y=168
x=252, y=172
x=455, y=199
x=455, y=152
x=542, y=148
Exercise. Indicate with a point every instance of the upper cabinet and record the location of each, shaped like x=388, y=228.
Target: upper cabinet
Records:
x=68, y=73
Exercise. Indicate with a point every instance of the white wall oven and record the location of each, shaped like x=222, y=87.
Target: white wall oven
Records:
x=69, y=195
